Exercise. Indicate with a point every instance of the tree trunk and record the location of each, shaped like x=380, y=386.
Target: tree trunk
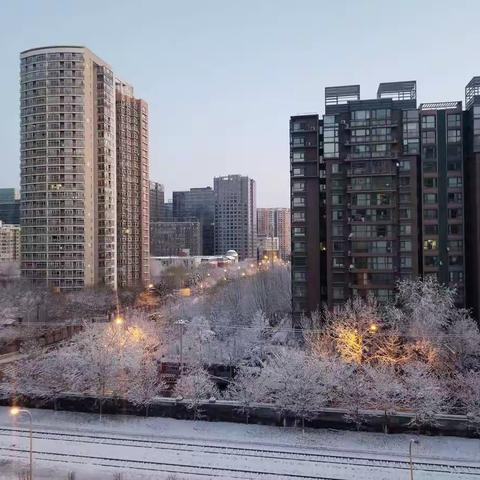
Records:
x=303, y=425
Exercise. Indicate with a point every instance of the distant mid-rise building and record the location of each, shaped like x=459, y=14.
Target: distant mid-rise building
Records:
x=175, y=238
x=157, y=201
x=275, y=222
x=10, y=206
x=133, y=244
x=9, y=243
x=198, y=203
x=235, y=215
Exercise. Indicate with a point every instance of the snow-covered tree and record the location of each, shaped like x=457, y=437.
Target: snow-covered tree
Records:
x=246, y=388
x=195, y=386
x=384, y=390
x=145, y=382
x=352, y=327
x=468, y=392
x=424, y=394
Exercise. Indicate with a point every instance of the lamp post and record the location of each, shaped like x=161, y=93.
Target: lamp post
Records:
x=412, y=442
x=15, y=411
x=181, y=323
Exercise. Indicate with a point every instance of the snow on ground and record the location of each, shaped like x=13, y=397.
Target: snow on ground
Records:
x=154, y=448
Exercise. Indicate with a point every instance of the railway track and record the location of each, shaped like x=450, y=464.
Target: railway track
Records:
x=154, y=466
x=274, y=453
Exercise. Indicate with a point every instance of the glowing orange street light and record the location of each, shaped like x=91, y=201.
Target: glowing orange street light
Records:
x=373, y=328
x=15, y=411
x=118, y=320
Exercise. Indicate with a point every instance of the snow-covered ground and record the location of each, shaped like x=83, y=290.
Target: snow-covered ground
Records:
x=158, y=448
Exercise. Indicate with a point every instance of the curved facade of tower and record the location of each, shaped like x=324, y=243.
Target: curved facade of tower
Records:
x=68, y=169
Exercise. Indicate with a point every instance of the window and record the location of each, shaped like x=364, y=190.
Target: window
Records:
x=337, y=246
x=298, y=201
x=405, y=213
x=431, y=229
x=338, y=262
x=411, y=145
x=456, y=276
x=299, y=247
x=454, y=165
x=404, y=181
x=404, y=165
x=298, y=186
x=455, y=197
x=430, y=182
x=429, y=167
x=405, y=262
x=455, y=229
x=431, y=260
x=337, y=215
x=454, y=136
x=430, y=244
x=454, y=182
x=430, y=214
x=455, y=260
x=429, y=198
x=299, y=276
x=299, y=291
x=337, y=199
x=335, y=168
x=429, y=152
x=337, y=293
x=405, y=198
x=405, y=229
x=298, y=172
x=455, y=245
x=405, y=246
x=453, y=120
x=428, y=121
x=298, y=231
x=298, y=156
x=361, y=115
x=454, y=213
x=298, y=216
x=337, y=230
x=428, y=137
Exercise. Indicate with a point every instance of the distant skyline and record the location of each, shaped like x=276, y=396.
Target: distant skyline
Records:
x=222, y=78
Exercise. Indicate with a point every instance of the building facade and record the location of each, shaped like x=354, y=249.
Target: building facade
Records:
x=175, y=238
x=10, y=206
x=402, y=196
x=133, y=229
x=198, y=203
x=235, y=215
x=9, y=243
x=157, y=202
x=441, y=126
x=275, y=222
x=69, y=168
x=471, y=131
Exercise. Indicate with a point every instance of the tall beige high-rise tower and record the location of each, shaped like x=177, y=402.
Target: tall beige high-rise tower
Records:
x=133, y=244
x=68, y=168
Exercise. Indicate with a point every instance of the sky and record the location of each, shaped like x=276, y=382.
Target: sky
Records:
x=222, y=77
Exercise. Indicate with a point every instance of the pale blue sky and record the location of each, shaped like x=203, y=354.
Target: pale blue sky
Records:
x=222, y=77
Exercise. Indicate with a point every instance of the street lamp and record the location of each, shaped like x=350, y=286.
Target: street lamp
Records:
x=181, y=323
x=15, y=411
x=412, y=442
x=373, y=328
x=118, y=320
